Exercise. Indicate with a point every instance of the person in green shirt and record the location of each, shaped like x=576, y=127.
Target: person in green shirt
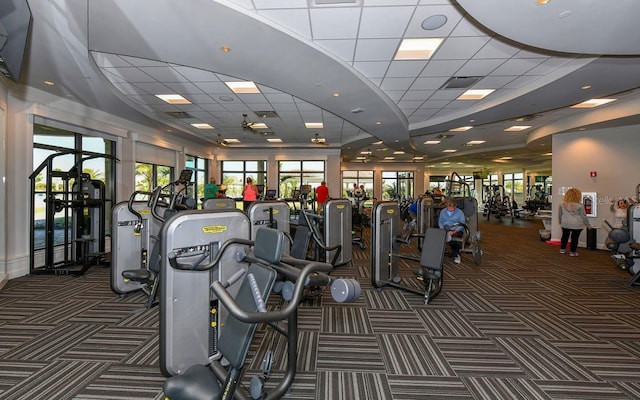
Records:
x=211, y=189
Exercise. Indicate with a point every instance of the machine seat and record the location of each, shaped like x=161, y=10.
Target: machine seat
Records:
x=197, y=383
x=139, y=275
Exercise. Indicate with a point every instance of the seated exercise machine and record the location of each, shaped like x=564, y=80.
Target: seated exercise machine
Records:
x=135, y=245
x=331, y=232
x=625, y=250
x=470, y=241
x=201, y=374
x=385, y=271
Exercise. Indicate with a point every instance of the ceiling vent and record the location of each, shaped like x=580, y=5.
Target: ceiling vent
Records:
x=266, y=114
x=461, y=82
x=178, y=114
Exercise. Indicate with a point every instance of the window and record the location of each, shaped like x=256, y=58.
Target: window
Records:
x=514, y=184
x=487, y=185
x=235, y=173
x=149, y=176
x=200, y=169
x=292, y=174
x=48, y=141
x=397, y=184
x=359, y=178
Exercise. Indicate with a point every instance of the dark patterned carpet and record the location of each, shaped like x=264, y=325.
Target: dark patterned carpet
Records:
x=529, y=323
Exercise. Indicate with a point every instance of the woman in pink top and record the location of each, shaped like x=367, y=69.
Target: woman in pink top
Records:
x=249, y=194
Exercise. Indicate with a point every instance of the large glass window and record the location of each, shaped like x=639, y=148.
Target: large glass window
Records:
x=487, y=185
x=235, y=173
x=360, y=178
x=149, y=176
x=397, y=184
x=292, y=174
x=514, y=184
x=200, y=168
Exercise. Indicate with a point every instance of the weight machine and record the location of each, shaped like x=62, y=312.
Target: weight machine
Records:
x=74, y=224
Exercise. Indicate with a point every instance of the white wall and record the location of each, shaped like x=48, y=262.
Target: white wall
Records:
x=614, y=154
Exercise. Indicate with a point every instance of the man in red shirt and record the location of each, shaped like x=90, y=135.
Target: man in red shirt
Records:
x=322, y=195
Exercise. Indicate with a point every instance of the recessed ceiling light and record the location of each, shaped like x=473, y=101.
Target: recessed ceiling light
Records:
x=449, y=151
x=398, y=152
x=173, y=98
x=378, y=142
x=474, y=142
x=274, y=140
x=547, y=154
x=225, y=49
x=202, y=126
x=243, y=87
x=313, y=125
x=542, y=1
x=434, y=22
x=592, y=103
x=461, y=129
x=49, y=83
x=389, y=158
x=365, y=152
x=259, y=125
x=361, y=158
x=585, y=87
x=445, y=163
x=336, y=94
x=418, y=158
x=432, y=142
x=378, y=122
x=232, y=140
x=475, y=94
x=517, y=128
x=417, y=49
x=506, y=158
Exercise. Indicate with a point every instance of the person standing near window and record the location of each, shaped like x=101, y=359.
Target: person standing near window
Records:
x=249, y=194
x=322, y=195
x=211, y=189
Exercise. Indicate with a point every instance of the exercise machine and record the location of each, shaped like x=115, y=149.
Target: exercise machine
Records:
x=385, y=258
x=331, y=231
x=74, y=217
x=242, y=274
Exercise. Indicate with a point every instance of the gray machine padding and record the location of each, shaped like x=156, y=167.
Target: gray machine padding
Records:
x=338, y=229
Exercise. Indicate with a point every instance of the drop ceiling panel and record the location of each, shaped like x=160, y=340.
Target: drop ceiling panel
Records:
x=296, y=20
x=334, y=23
x=343, y=49
x=376, y=49
x=457, y=48
x=381, y=22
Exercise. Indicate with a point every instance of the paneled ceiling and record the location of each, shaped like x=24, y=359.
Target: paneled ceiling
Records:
x=332, y=62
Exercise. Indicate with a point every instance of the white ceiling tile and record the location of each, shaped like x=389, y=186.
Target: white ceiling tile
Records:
x=396, y=83
x=183, y=88
x=421, y=13
x=376, y=49
x=479, y=67
x=455, y=48
x=130, y=74
x=195, y=74
x=426, y=83
x=104, y=60
x=381, y=22
x=494, y=82
x=296, y=20
x=154, y=88
x=496, y=48
x=405, y=69
x=344, y=49
x=418, y=95
x=372, y=69
x=269, y=4
x=442, y=68
x=517, y=66
x=143, y=62
x=334, y=23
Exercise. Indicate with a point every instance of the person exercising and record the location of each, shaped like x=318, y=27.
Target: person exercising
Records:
x=322, y=195
x=448, y=219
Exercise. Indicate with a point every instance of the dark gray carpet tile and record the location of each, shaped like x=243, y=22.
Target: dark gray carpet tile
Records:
x=56, y=380
x=337, y=385
x=415, y=355
x=552, y=326
x=582, y=390
x=607, y=303
x=18, y=309
x=487, y=286
x=141, y=317
x=303, y=387
x=390, y=321
x=120, y=382
x=110, y=344
x=428, y=388
x=447, y=323
x=630, y=389
x=60, y=311
x=478, y=357
x=469, y=301
x=542, y=360
x=146, y=354
x=526, y=287
x=274, y=345
x=560, y=303
x=499, y=324
x=605, y=359
x=349, y=353
x=514, y=302
x=346, y=320
x=630, y=346
x=604, y=327
x=12, y=373
x=386, y=299
x=500, y=272
x=105, y=313
x=309, y=318
x=53, y=343
x=15, y=335
x=504, y=389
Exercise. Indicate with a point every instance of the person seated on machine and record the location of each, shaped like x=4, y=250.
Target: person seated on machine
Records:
x=452, y=220
x=619, y=209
